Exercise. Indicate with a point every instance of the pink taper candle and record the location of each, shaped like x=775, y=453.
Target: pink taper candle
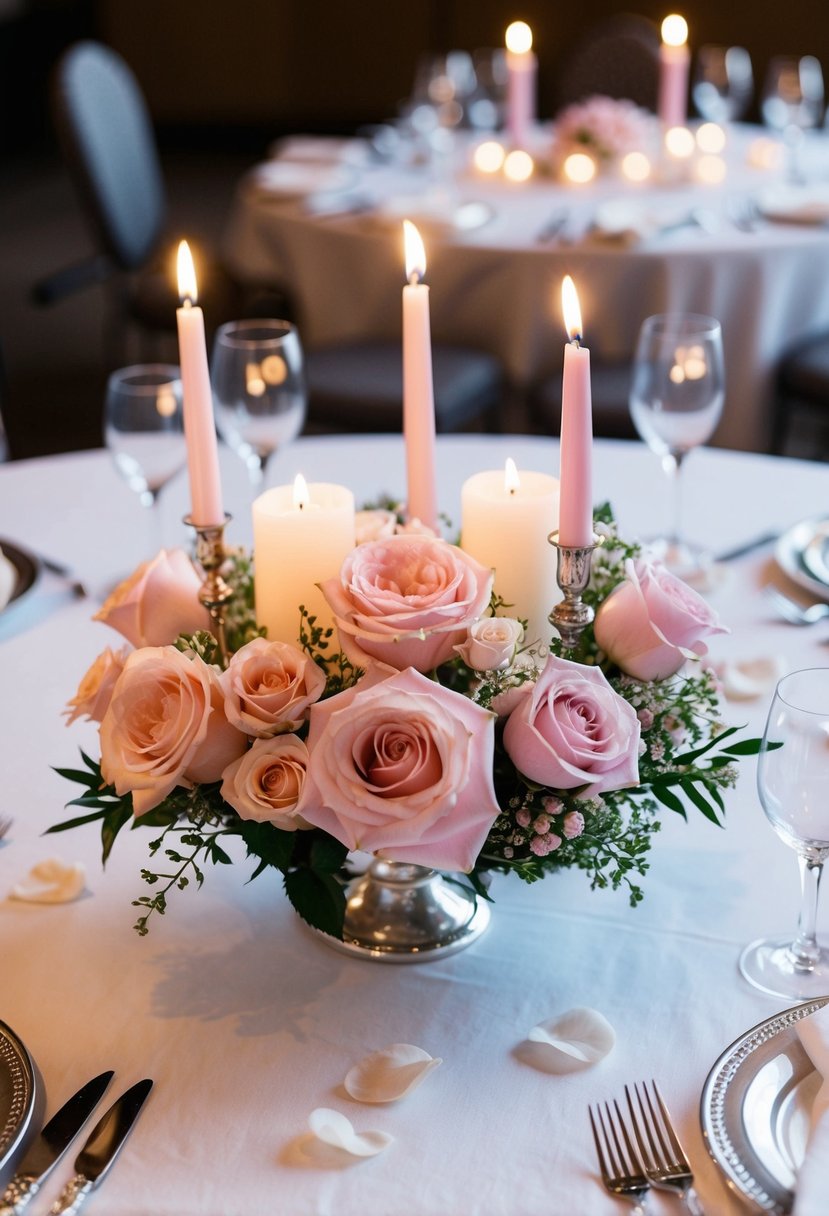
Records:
x=418, y=392
x=673, y=72
x=199, y=427
x=575, y=526
x=522, y=66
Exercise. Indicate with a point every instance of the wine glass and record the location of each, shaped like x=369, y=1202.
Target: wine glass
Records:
x=676, y=399
x=723, y=82
x=792, y=780
x=259, y=394
x=792, y=102
x=144, y=431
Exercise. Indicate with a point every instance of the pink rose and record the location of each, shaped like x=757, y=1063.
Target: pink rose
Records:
x=407, y=601
x=165, y=726
x=269, y=688
x=373, y=525
x=91, y=701
x=491, y=643
x=571, y=729
x=573, y=825
x=402, y=767
x=265, y=783
x=158, y=602
x=652, y=622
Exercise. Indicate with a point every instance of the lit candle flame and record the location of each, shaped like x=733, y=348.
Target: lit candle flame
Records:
x=570, y=306
x=512, y=481
x=415, y=253
x=519, y=37
x=674, y=30
x=187, y=289
x=302, y=498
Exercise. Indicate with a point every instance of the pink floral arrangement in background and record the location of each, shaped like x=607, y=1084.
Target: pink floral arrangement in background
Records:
x=435, y=735
x=605, y=127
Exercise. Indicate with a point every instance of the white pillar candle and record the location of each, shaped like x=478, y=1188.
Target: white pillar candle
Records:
x=576, y=510
x=673, y=71
x=301, y=536
x=522, y=67
x=199, y=427
x=506, y=517
x=418, y=391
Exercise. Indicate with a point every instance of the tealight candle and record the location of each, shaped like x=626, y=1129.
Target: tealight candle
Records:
x=518, y=166
x=418, y=391
x=576, y=505
x=506, y=517
x=521, y=73
x=301, y=536
x=673, y=71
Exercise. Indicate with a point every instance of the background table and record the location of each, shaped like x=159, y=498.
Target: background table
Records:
x=497, y=287
x=247, y=1021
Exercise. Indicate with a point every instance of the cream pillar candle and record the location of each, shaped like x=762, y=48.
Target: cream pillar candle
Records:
x=522, y=67
x=418, y=392
x=301, y=536
x=506, y=517
x=576, y=506
x=199, y=426
x=673, y=72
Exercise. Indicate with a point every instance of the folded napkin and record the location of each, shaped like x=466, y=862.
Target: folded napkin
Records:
x=813, y=1175
x=795, y=204
x=8, y=580
x=294, y=179
x=622, y=222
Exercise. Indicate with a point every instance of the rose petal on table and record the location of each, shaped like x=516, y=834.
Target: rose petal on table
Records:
x=389, y=1074
x=333, y=1128
x=747, y=679
x=52, y=882
x=575, y=1040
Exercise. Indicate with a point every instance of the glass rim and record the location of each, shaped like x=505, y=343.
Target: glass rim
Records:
x=780, y=691
x=272, y=329
x=138, y=377
x=681, y=324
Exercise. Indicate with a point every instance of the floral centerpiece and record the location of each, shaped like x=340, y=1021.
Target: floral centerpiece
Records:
x=604, y=127
x=427, y=731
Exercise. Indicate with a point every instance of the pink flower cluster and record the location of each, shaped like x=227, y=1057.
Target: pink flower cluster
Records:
x=605, y=126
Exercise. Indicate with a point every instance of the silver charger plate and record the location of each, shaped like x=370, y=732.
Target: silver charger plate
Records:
x=755, y=1109
x=802, y=553
x=26, y=566
x=19, y=1092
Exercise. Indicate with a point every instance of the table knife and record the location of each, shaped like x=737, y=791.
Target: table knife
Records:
x=95, y=1159
x=45, y=1151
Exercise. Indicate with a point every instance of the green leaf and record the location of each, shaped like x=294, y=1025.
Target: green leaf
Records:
x=113, y=822
x=700, y=801
x=74, y=823
x=77, y=774
x=319, y=899
x=749, y=747
x=689, y=757
x=272, y=846
x=669, y=800
x=327, y=855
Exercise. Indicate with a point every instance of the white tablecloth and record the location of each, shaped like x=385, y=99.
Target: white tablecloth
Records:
x=247, y=1021
x=497, y=288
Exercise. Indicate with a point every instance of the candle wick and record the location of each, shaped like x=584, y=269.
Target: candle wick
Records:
x=187, y=302
x=414, y=278
x=576, y=340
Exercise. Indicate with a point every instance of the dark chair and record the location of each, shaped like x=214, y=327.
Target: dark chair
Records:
x=802, y=389
x=610, y=385
x=107, y=141
x=359, y=387
x=617, y=57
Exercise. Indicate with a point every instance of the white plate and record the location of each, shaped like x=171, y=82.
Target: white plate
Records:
x=434, y=216
x=803, y=540
x=294, y=179
x=755, y=1109
x=19, y=1091
x=795, y=204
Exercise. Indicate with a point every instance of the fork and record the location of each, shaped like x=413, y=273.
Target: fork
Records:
x=661, y=1154
x=620, y=1168
x=793, y=612
x=5, y=824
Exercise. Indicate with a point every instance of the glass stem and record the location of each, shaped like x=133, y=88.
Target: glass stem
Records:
x=672, y=464
x=804, y=949
x=154, y=537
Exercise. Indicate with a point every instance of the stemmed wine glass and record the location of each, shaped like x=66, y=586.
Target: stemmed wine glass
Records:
x=723, y=82
x=259, y=394
x=144, y=431
x=676, y=400
x=792, y=780
x=792, y=102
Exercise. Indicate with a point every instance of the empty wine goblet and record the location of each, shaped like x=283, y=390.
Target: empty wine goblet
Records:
x=723, y=82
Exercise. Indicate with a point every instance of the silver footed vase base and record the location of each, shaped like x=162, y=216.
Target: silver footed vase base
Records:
x=401, y=913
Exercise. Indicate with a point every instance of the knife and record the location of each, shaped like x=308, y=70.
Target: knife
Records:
x=44, y=1152
x=95, y=1159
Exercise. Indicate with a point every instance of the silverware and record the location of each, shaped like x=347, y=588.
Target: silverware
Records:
x=621, y=1171
x=61, y=571
x=757, y=542
x=5, y=825
x=46, y=1150
x=552, y=228
x=793, y=612
x=660, y=1151
x=97, y=1156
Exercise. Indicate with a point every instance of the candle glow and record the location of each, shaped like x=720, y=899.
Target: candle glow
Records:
x=512, y=481
x=579, y=167
x=518, y=166
x=674, y=30
x=489, y=156
x=415, y=253
x=519, y=38
x=570, y=308
x=679, y=142
x=187, y=288
x=301, y=497
x=636, y=167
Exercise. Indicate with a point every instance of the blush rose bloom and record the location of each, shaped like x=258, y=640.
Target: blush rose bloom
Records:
x=265, y=783
x=571, y=729
x=402, y=767
x=652, y=622
x=406, y=601
x=92, y=699
x=269, y=687
x=158, y=602
x=374, y=525
x=165, y=726
x=491, y=643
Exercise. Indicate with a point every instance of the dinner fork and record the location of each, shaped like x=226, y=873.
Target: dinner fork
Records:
x=5, y=824
x=619, y=1166
x=660, y=1152
x=793, y=612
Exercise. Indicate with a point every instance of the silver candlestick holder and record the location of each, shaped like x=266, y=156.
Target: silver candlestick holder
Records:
x=571, y=616
x=214, y=592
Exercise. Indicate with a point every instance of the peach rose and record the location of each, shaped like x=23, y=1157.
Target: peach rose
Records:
x=269, y=688
x=265, y=783
x=165, y=726
x=652, y=622
x=91, y=701
x=402, y=767
x=407, y=601
x=491, y=643
x=374, y=524
x=571, y=729
x=158, y=602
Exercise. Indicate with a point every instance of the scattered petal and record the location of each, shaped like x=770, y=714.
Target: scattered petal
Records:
x=577, y=1039
x=52, y=882
x=334, y=1129
x=389, y=1074
x=750, y=678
